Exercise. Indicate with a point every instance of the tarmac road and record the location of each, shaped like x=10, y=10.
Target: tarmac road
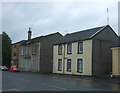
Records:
x=28, y=81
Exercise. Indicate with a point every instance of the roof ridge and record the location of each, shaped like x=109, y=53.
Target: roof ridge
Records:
x=45, y=35
x=97, y=32
x=85, y=30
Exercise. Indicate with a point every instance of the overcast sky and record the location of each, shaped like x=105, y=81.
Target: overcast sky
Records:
x=49, y=17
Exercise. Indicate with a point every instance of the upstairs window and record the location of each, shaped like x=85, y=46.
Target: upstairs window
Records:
x=80, y=47
x=14, y=46
x=69, y=65
x=69, y=48
x=14, y=54
x=60, y=50
x=26, y=50
x=59, y=64
x=34, y=49
x=79, y=65
x=21, y=50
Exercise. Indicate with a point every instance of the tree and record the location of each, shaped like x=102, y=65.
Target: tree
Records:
x=6, y=49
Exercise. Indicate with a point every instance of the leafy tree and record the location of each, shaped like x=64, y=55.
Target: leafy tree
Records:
x=6, y=49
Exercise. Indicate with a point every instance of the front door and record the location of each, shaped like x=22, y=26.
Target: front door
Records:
x=27, y=64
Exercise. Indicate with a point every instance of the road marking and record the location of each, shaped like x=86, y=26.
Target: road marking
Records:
x=53, y=86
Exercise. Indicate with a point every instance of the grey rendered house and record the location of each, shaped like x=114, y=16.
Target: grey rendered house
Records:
x=37, y=54
x=84, y=52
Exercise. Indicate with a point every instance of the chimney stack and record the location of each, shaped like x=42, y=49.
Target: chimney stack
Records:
x=29, y=34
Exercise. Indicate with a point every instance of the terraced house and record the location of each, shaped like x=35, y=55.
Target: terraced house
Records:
x=37, y=54
x=84, y=52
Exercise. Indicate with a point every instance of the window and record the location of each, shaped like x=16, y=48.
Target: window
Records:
x=59, y=64
x=14, y=54
x=27, y=64
x=21, y=63
x=80, y=47
x=79, y=65
x=34, y=49
x=21, y=50
x=60, y=49
x=14, y=46
x=33, y=64
x=69, y=65
x=26, y=50
x=69, y=48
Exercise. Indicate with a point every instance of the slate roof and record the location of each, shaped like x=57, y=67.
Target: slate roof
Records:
x=22, y=41
x=80, y=35
x=37, y=39
x=117, y=43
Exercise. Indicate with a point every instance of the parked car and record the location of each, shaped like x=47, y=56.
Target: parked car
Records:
x=3, y=68
x=14, y=69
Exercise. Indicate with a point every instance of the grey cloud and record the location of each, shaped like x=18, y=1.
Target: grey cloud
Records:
x=50, y=17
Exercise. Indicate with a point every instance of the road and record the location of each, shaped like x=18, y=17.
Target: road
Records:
x=28, y=81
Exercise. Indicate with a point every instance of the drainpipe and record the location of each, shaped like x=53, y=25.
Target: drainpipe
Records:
x=64, y=60
x=38, y=56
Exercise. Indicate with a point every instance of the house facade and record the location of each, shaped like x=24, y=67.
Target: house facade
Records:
x=15, y=53
x=36, y=54
x=116, y=58
x=85, y=52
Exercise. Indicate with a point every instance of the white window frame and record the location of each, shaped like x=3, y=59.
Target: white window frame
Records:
x=80, y=65
x=21, y=50
x=69, y=63
x=59, y=49
x=69, y=48
x=80, y=47
x=59, y=64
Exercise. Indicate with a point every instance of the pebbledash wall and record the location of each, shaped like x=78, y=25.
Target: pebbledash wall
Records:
x=116, y=61
x=86, y=56
x=96, y=56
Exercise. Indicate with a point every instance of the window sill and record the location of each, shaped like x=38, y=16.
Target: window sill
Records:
x=68, y=70
x=80, y=52
x=59, y=54
x=79, y=72
x=69, y=53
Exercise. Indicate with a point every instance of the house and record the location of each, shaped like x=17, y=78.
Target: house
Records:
x=15, y=52
x=36, y=54
x=84, y=52
x=116, y=58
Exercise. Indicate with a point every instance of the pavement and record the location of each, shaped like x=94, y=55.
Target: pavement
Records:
x=110, y=80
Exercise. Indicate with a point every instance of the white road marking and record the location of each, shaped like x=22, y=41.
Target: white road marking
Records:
x=53, y=86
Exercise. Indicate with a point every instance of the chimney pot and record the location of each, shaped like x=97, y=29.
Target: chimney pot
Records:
x=29, y=34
